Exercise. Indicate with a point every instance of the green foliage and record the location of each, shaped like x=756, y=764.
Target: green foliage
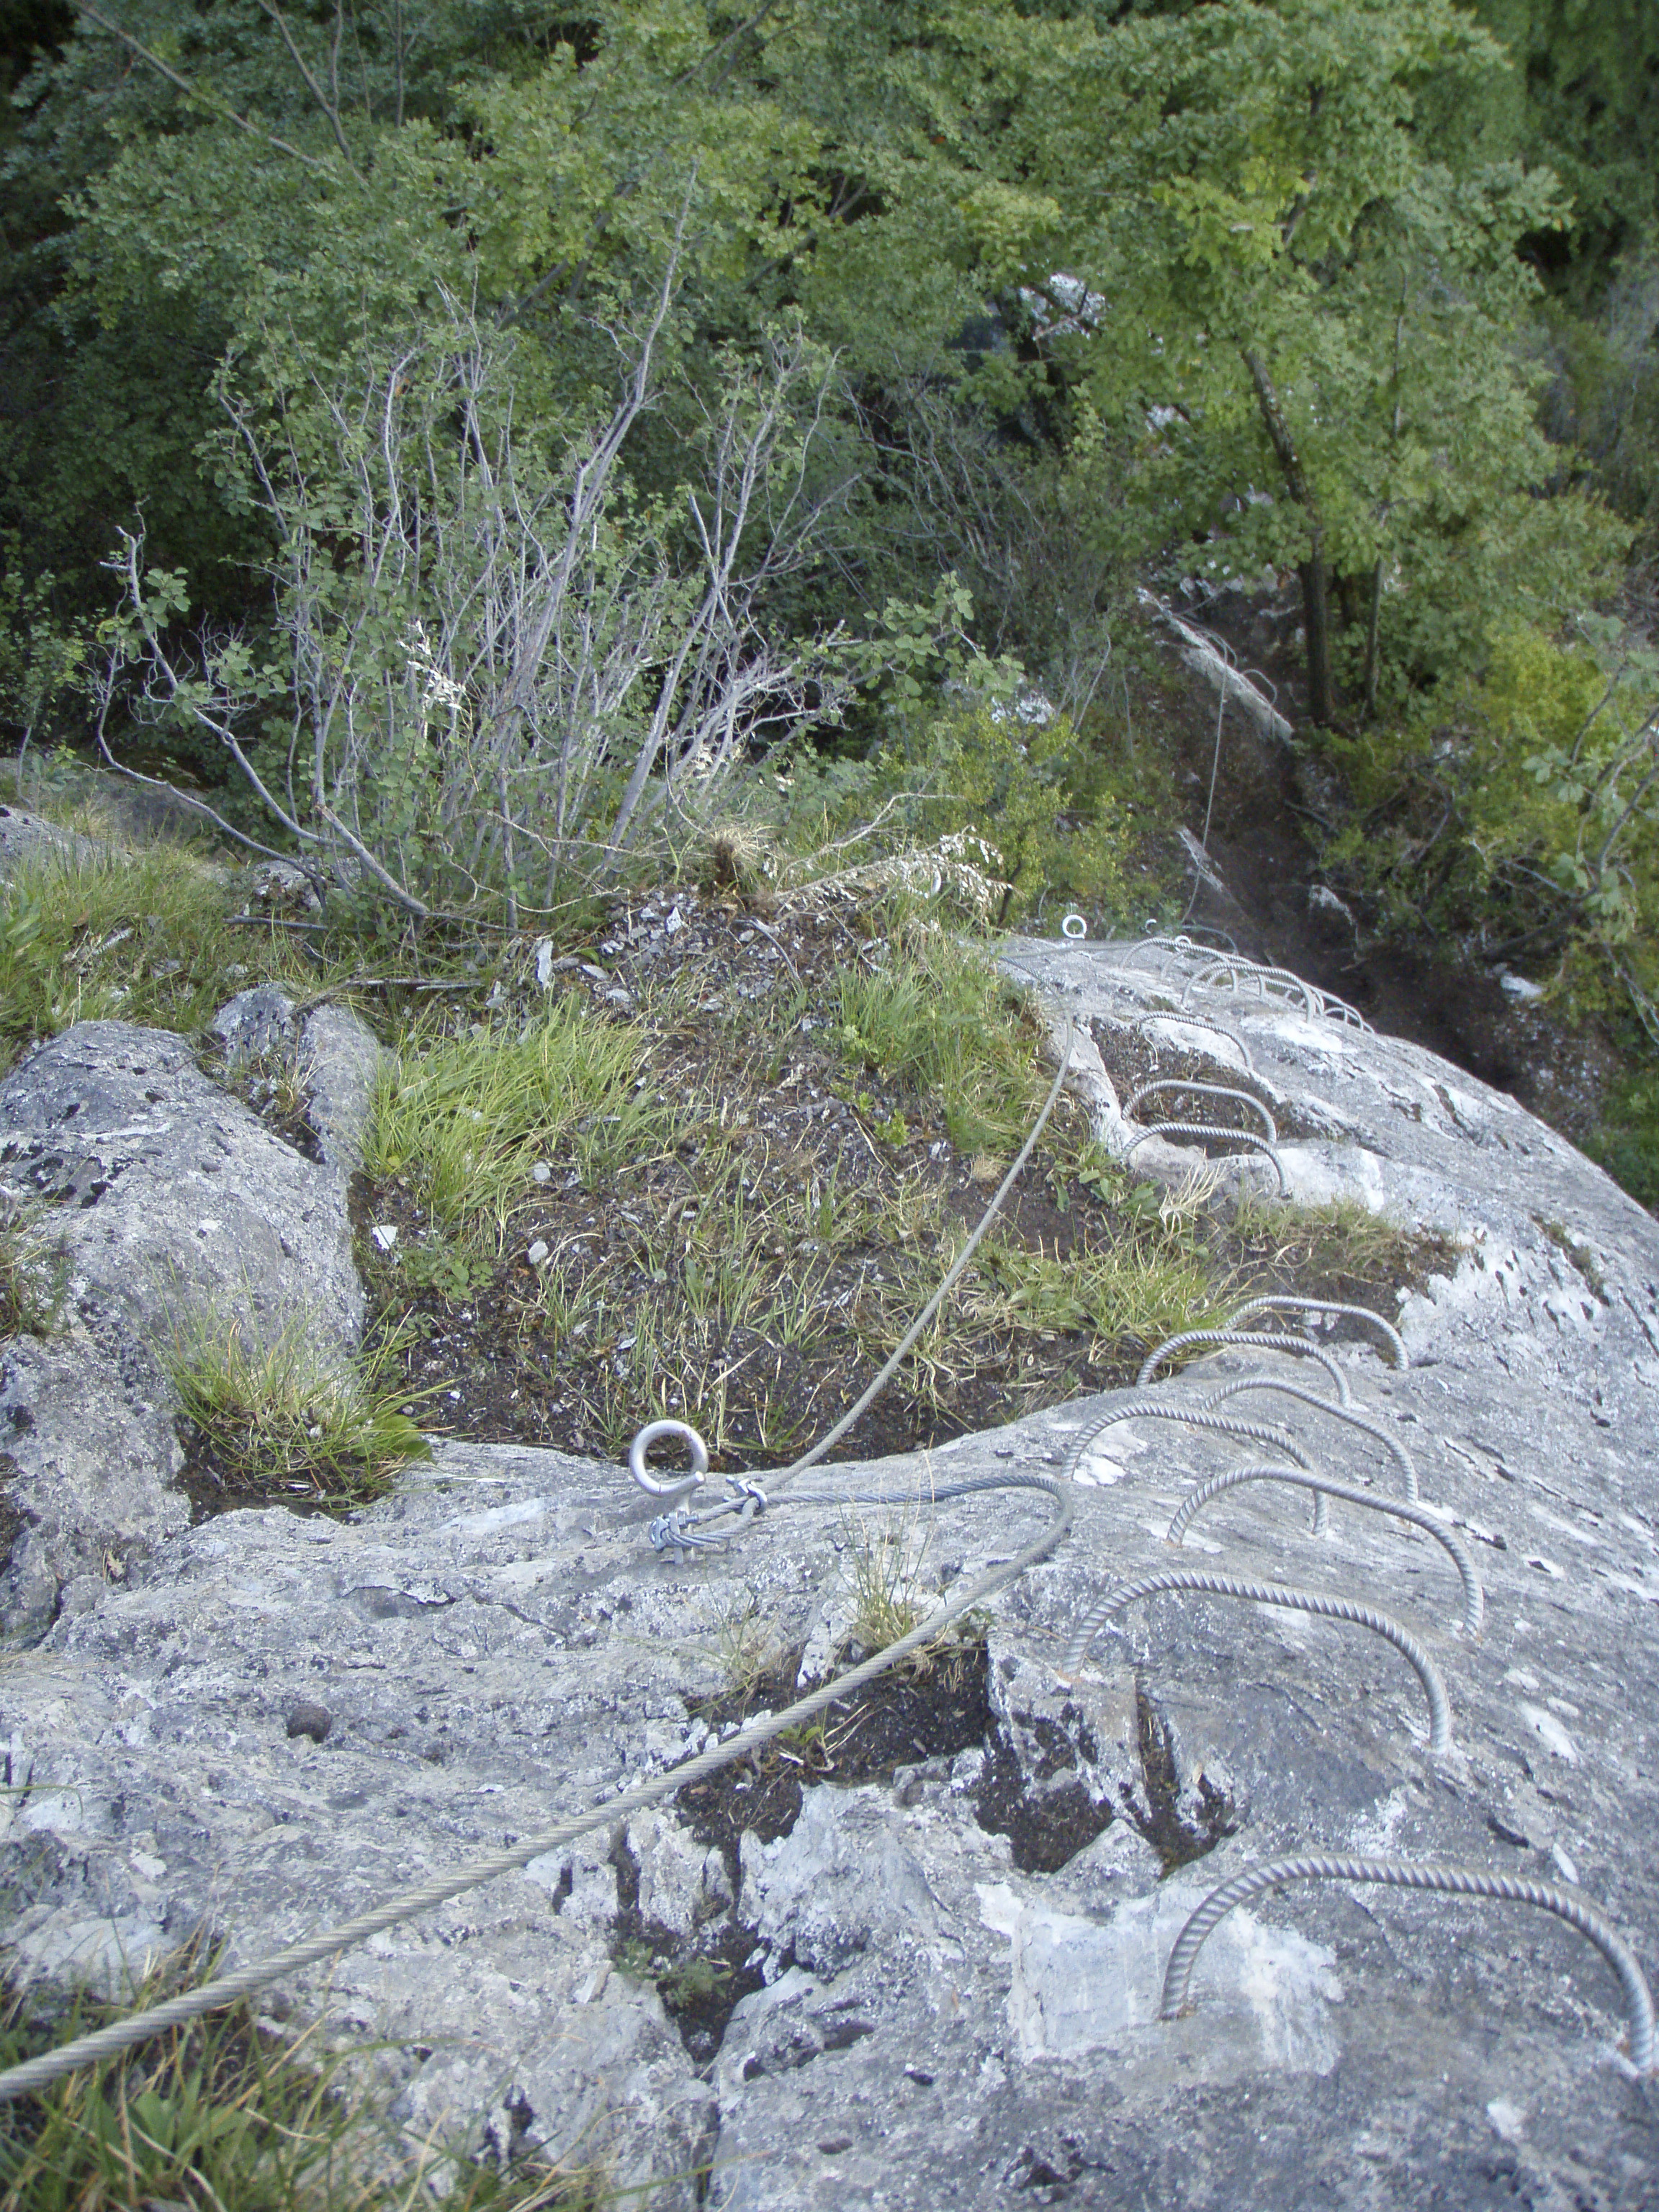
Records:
x=1294, y=292
x=221, y=2113
x=42, y=659
x=33, y=1273
x=1530, y=819
x=1136, y=1291
x=1626, y=1142
x=1580, y=101
x=136, y=936
x=1057, y=819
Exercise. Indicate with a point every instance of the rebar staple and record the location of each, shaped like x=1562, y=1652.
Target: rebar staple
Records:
x=1158, y=1409
x=1260, y=1340
x=1342, y=1413
x=1214, y=1135
x=1195, y=1022
x=1235, y=968
x=1579, y=1912
x=1182, y=944
x=1287, y=1302
x=1294, y=1600
x=1206, y=1091
x=1234, y=1477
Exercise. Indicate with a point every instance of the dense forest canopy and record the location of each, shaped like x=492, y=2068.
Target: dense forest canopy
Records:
x=487, y=433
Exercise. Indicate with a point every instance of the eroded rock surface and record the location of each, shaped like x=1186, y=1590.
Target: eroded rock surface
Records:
x=928, y=2017
x=174, y=1205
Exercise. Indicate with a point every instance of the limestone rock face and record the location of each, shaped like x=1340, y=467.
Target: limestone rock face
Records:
x=928, y=2018
x=171, y=1201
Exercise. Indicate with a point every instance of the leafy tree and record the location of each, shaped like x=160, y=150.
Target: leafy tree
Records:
x=1306, y=302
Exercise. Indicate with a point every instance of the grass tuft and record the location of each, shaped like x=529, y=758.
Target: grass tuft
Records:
x=940, y=1016
x=882, y=1567
x=137, y=937
x=466, y=1121
x=286, y=1417
x=224, y=2115
x=32, y=1274
x=1338, y=1250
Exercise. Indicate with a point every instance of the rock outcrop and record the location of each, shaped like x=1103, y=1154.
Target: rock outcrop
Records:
x=175, y=1206
x=271, y=1722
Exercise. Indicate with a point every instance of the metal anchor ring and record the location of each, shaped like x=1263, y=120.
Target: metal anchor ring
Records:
x=1074, y=926
x=677, y=1485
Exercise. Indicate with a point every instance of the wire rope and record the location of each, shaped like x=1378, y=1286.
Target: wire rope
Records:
x=121, y=2035
x=108, y=2042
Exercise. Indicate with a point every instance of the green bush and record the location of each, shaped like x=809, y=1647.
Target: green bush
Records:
x=1626, y=1143
x=1063, y=823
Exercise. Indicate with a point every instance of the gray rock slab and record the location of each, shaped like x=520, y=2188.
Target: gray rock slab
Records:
x=254, y=1023
x=174, y=1205
x=27, y=836
x=498, y=1645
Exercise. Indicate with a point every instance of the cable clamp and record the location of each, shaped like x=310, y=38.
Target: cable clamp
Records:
x=746, y=1486
x=671, y=1532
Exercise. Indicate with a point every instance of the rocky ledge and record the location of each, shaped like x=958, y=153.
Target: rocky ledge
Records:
x=926, y=1969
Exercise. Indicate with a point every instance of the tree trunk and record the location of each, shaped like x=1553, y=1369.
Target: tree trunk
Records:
x=1314, y=571
x=1316, y=624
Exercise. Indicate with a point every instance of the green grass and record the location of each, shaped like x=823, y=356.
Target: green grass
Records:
x=1136, y=1291
x=881, y=1563
x=138, y=937
x=222, y=2117
x=285, y=1418
x=937, y=1017
x=31, y=1275
x=1340, y=1249
x=467, y=1120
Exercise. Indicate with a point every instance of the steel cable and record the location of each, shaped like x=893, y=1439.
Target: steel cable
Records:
x=834, y=1436
x=1323, y=1486
x=1578, y=1912
x=121, y=2035
x=1294, y=1600
x=36, y=2073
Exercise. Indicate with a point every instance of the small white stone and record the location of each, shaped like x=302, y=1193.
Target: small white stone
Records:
x=541, y=1172
x=385, y=1234
x=537, y=1254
